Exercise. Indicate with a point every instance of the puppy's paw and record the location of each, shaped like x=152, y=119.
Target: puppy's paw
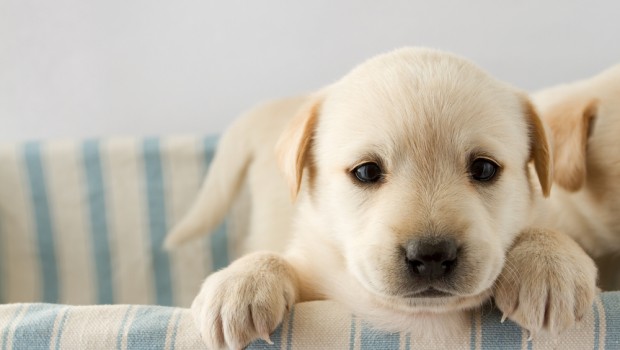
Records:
x=245, y=301
x=548, y=282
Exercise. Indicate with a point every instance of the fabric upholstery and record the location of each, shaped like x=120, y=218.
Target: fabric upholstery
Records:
x=313, y=325
x=83, y=222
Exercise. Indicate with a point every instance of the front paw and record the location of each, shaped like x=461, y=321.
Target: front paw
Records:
x=548, y=282
x=245, y=301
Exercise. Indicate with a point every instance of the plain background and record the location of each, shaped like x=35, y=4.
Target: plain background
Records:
x=74, y=68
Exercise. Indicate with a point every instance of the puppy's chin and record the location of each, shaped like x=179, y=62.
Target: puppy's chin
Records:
x=431, y=302
x=427, y=319
x=430, y=299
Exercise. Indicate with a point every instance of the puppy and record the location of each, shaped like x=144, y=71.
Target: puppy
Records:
x=414, y=204
x=584, y=120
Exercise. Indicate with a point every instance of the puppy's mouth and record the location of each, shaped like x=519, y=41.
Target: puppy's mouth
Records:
x=430, y=293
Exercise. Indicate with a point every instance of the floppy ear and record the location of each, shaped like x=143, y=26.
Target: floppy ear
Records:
x=540, y=151
x=570, y=125
x=293, y=147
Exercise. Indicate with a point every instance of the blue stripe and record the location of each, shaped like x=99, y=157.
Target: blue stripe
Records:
x=156, y=199
x=173, y=341
x=472, y=327
x=218, y=240
x=211, y=142
x=289, y=335
x=375, y=339
x=35, y=330
x=408, y=341
x=43, y=220
x=119, y=336
x=352, y=334
x=496, y=335
x=596, y=326
x=61, y=328
x=5, y=334
x=149, y=326
x=611, y=305
x=219, y=247
x=276, y=338
x=98, y=220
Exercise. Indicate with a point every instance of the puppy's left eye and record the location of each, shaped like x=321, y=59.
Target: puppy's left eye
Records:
x=483, y=169
x=368, y=172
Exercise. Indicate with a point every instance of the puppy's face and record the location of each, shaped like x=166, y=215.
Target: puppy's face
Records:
x=419, y=174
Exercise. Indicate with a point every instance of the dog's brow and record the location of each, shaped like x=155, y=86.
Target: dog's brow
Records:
x=481, y=153
x=367, y=158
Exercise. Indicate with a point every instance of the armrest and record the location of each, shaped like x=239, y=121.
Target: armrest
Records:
x=312, y=325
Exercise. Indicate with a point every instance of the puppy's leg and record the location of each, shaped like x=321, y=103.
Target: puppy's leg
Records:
x=548, y=282
x=245, y=301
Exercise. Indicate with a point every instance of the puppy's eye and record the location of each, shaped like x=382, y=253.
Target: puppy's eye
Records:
x=368, y=172
x=483, y=169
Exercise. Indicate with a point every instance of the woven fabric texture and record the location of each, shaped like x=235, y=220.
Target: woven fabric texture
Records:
x=84, y=222
x=313, y=325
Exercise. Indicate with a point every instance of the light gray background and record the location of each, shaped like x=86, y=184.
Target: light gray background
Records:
x=74, y=68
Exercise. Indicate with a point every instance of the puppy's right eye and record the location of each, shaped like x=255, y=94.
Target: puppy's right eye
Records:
x=368, y=172
x=483, y=169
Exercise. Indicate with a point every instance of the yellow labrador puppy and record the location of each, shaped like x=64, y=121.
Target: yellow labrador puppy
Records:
x=414, y=204
x=584, y=119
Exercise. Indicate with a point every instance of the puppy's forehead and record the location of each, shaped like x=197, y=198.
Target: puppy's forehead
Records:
x=426, y=100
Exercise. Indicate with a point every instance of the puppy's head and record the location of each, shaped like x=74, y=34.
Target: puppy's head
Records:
x=416, y=168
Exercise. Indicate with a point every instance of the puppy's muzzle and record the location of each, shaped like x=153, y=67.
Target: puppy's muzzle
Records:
x=431, y=259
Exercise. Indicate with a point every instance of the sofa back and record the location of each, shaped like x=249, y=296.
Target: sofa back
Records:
x=82, y=222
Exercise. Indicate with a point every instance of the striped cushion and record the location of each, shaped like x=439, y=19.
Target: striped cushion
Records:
x=314, y=325
x=83, y=222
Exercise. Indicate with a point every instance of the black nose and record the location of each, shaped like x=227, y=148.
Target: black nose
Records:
x=431, y=258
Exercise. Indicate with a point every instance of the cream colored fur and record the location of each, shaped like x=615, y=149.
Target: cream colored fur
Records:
x=584, y=119
x=423, y=114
